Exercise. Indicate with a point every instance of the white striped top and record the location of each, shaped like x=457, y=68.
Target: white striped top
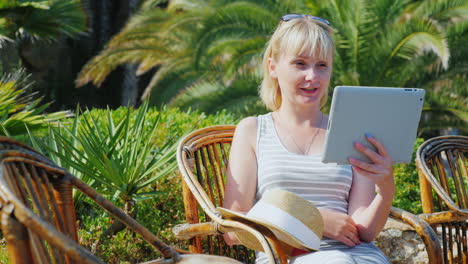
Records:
x=325, y=185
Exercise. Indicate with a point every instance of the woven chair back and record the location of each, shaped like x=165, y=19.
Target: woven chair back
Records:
x=203, y=158
x=442, y=167
x=38, y=212
x=443, y=164
x=38, y=216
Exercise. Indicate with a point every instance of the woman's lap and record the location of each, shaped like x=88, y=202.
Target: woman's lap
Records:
x=364, y=253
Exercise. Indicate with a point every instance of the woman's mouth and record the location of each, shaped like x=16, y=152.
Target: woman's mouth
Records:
x=309, y=91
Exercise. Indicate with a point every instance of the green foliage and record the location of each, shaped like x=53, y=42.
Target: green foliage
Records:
x=165, y=208
x=208, y=52
x=405, y=44
x=117, y=156
x=3, y=251
x=123, y=152
x=19, y=110
x=159, y=215
x=72, y=144
x=46, y=20
x=200, y=48
x=407, y=195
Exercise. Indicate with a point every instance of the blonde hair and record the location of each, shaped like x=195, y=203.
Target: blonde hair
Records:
x=301, y=36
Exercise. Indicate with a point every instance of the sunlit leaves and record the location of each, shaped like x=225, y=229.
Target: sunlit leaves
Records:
x=118, y=156
x=21, y=111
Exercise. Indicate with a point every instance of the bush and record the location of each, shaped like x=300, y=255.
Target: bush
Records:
x=407, y=194
x=158, y=214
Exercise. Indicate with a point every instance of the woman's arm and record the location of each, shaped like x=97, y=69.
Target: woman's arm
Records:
x=369, y=210
x=242, y=171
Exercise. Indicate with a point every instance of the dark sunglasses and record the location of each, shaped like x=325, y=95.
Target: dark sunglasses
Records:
x=289, y=17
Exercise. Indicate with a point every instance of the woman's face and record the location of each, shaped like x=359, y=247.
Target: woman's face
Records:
x=302, y=79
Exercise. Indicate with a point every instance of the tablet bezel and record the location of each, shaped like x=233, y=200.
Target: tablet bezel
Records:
x=389, y=114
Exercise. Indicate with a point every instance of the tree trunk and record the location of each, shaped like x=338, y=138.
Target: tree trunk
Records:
x=131, y=209
x=55, y=66
x=130, y=85
x=129, y=94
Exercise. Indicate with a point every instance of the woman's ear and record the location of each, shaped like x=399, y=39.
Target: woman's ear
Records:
x=272, y=68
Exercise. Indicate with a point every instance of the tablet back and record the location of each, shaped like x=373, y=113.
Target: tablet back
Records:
x=390, y=114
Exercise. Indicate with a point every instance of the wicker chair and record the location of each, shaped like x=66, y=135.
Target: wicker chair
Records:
x=38, y=216
x=443, y=178
x=202, y=158
x=7, y=143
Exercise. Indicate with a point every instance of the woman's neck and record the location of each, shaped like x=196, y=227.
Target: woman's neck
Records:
x=296, y=116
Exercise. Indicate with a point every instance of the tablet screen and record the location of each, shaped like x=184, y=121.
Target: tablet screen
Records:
x=390, y=114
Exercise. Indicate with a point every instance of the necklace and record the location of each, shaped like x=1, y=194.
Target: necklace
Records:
x=306, y=152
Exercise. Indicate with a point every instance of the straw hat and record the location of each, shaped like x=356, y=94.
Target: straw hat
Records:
x=295, y=221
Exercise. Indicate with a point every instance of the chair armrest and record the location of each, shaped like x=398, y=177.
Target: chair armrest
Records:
x=424, y=230
x=269, y=242
x=188, y=231
x=443, y=217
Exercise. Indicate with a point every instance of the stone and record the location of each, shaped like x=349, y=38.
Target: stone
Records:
x=401, y=244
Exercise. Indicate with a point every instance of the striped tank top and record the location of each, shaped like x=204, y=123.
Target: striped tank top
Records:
x=327, y=186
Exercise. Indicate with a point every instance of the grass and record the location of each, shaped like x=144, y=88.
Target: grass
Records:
x=3, y=251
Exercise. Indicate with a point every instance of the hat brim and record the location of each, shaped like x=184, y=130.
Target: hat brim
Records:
x=250, y=241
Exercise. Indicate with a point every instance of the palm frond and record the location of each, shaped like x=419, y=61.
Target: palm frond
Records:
x=405, y=41
x=212, y=96
x=239, y=20
x=20, y=110
x=47, y=20
x=442, y=10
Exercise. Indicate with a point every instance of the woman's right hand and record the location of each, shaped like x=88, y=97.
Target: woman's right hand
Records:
x=340, y=227
x=231, y=239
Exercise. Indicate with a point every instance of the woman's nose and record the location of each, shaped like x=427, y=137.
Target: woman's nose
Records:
x=310, y=74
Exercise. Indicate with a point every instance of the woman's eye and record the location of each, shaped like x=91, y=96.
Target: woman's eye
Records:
x=323, y=65
x=300, y=63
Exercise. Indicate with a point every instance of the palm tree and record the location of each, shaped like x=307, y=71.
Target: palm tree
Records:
x=205, y=50
x=204, y=44
x=403, y=44
x=27, y=28
x=46, y=20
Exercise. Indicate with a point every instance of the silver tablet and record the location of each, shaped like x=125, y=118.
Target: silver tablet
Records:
x=390, y=114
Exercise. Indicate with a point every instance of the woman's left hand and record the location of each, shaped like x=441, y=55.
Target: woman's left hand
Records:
x=380, y=167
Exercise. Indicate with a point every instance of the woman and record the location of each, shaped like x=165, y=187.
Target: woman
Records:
x=282, y=149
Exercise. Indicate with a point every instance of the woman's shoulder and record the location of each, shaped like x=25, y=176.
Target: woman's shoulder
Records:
x=248, y=124
x=246, y=131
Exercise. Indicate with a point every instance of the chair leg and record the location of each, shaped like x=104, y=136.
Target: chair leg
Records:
x=426, y=193
x=16, y=237
x=191, y=216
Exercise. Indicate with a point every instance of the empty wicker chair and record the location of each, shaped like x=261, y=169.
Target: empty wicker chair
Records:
x=443, y=178
x=202, y=158
x=38, y=215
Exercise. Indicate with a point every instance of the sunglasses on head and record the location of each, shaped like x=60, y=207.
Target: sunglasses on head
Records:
x=289, y=17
